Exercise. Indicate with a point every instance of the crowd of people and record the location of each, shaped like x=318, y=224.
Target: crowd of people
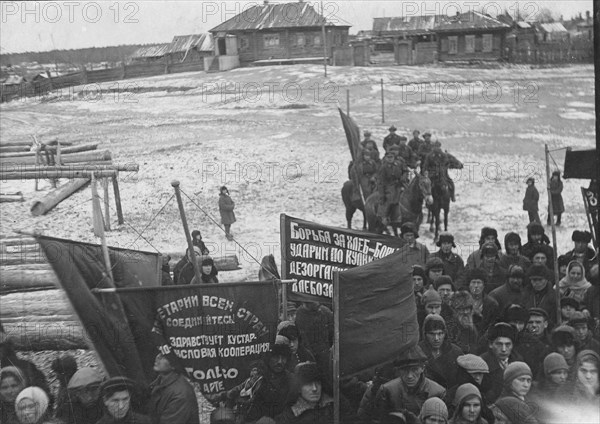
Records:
x=390, y=175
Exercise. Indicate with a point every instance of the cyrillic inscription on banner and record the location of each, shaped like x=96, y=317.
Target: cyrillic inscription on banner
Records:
x=218, y=331
x=312, y=252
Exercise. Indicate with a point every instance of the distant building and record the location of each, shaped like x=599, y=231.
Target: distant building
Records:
x=189, y=48
x=150, y=53
x=279, y=33
x=551, y=32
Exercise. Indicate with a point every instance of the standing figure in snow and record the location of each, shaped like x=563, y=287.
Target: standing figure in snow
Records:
x=530, y=201
x=558, y=206
x=226, y=206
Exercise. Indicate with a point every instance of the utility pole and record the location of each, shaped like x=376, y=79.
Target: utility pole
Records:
x=324, y=40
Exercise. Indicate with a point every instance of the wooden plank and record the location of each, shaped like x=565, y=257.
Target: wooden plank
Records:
x=50, y=200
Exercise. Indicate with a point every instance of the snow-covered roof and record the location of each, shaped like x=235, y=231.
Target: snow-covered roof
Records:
x=408, y=24
x=553, y=27
x=183, y=43
x=470, y=20
x=155, y=50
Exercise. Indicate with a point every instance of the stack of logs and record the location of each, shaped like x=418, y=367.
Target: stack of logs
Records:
x=35, y=311
x=23, y=160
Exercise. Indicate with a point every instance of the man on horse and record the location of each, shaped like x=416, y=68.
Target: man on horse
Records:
x=425, y=147
x=391, y=138
x=415, y=142
x=391, y=180
x=369, y=144
x=362, y=174
x=436, y=164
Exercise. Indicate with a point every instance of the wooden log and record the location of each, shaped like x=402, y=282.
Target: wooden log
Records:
x=18, y=279
x=41, y=320
x=95, y=166
x=14, y=149
x=16, y=197
x=52, y=174
x=33, y=257
x=50, y=200
x=82, y=157
x=49, y=142
x=64, y=150
x=222, y=263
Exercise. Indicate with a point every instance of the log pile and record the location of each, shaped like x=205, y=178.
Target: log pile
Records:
x=55, y=160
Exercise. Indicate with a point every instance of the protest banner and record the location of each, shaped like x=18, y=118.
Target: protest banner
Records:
x=310, y=253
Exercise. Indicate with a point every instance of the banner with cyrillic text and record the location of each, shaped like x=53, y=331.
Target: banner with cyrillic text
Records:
x=310, y=253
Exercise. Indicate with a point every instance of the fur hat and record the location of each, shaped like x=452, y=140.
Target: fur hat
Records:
x=501, y=329
x=418, y=270
x=196, y=233
x=411, y=357
x=554, y=362
x=489, y=248
x=434, y=263
x=516, y=313
x=516, y=271
x=461, y=299
x=487, y=231
x=563, y=260
x=512, y=238
x=515, y=370
x=477, y=274
x=473, y=363
x=409, y=227
x=582, y=236
x=535, y=228
x=442, y=280
x=537, y=270
x=445, y=237
x=530, y=179
x=463, y=392
x=569, y=301
x=434, y=407
x=430, y=296
x=307, y=372
x=433, y=322
x=290, y=331
x=563, y=335
x=280, y=349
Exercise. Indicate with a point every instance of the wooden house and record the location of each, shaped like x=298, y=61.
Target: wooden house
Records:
x=279, y=33
x=149, y=54
x=471, y=36
x=189, y=48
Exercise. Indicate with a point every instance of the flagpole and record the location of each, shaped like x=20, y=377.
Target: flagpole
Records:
x=186, y=229
x=324, y=40
x=336, y=347
x=96, y=201
x=551, y=219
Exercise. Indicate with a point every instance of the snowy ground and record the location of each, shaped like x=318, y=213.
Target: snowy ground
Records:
x=273, y=135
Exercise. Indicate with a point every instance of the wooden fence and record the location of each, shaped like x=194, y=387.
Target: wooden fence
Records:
x=136, y=70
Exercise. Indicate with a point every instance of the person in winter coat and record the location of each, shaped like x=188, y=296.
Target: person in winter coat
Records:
x=441, y=353
x=545, y=392
x=299, y=352
x=431, y=303
x=315, y=325
x=513, y=256
x=581, y=324
x=565, y=342
x=454, y=265
x=208, y=272
x=539, y=293
x=226, y=206
x=488, y=235
x=84, y=404
x=32, y=406
x=172, y=397
x=510, y=410
x=583, y=394
x=512, y=291
x=468, y=405
x=197, y=241
x=574, y=283
x=556, y=188
x=489, y=261
x=485, y=308
x=581, y=251
x=64, y=368
x=183, y=272
x=410, y=390
x=530, y=201
x=538, y=326
x=12, y=381
x=591, y=300
x=418, y=280
x=461, y=328
x=517, y=381
x=116, y=393
x=536, y=237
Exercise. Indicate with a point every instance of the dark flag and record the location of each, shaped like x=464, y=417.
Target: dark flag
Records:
x=377, y=313
x=352, y=134
x=581, y=164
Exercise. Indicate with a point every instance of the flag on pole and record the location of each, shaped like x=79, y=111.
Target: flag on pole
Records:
x=352, y=134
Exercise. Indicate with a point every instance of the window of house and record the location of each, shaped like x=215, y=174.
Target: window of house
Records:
x=244, y=43
x=300, y=40
x=444, y=45
x=317, y=40
x=337, y=39
x=452, y=45
x=487, y=43
x=271, y=40
x=469, y=44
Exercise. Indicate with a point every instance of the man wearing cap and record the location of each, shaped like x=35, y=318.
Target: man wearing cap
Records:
x=454, y=266
x=418, y=280
x=368, y=144
x=490, y=263
x=568, y=307
x=513, y=256
x=390, y=184
x=539, y=294
x=84, y=404
x=426, y=146
x=488, y=235
x=410, y=389
x=116, y=393
x=415, y=142
x=500, y=353
x=441, y=353
x=434, y=267
x=581, y=252
x=565, y=342
x=461, y=328
x=197, y=241
x=431, y=304
x=391, y=138
x=536, y=237
x=470, y=369
x=418, y=253
x=537, y=326
x=511, y=292
x=172, y=397
x=581, y=324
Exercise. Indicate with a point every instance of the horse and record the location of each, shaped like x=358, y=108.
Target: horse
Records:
x=352, y=205
x=409, y=208
x=440, y=190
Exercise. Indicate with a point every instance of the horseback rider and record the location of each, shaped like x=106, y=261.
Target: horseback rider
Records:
x=415, y=142
x=362, y=174
x=369, y=144
x=391, y=138
x=425, y=147
x=391, y=181
x=410, y=157
x=436, y=164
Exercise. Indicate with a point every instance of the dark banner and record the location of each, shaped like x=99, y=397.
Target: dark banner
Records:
x=214, y=331
x=377, y=313
x=581, y=164
x=352, y=133
x=310, y=253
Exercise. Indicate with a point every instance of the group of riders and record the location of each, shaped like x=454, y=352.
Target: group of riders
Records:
x=390, y=177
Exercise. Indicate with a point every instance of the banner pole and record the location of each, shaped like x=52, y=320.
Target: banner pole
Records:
x=336, y=347
x=382, y=104
x=551, y=219
x=186, y=229
x=284, y=240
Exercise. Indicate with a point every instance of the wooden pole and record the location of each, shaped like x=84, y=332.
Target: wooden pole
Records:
x=117, y=192
x=284, y=308
x=53, y=198
x=87, y=147
x=93, y=166
x=81, y=157
x=348, y=102
x=551, y=219
x=186, y=230
x=336, y=347
x=106, y=204
x=382, y=104
x=37, y=163
x=100, y=230
x=324, y=40
x=54, y=174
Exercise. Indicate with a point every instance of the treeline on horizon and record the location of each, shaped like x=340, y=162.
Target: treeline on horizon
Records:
x=75, y=57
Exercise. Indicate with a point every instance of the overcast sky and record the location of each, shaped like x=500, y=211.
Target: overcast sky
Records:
x=41, y=26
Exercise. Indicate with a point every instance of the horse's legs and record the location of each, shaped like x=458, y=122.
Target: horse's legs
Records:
x=446, y=212
x=349, y=214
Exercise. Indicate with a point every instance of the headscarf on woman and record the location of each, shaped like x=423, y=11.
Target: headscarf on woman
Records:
x=31, y=405
x=574, y=287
